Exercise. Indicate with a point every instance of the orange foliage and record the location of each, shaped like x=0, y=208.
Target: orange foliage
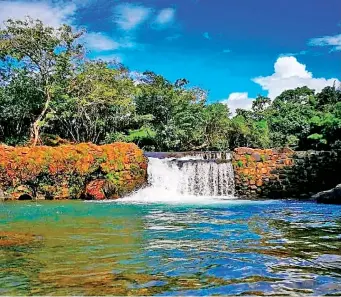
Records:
x=57, y=166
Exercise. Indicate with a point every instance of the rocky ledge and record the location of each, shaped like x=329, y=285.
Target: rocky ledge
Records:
x=82, y=171
x=332, y=196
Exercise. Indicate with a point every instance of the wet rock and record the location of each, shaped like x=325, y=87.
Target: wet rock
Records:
x=332, y=196
x=95, y=190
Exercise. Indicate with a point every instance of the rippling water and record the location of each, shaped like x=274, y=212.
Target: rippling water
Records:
x=284, y=248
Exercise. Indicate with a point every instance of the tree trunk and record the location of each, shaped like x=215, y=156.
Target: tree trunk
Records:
x=35, y=133
x=35, y=130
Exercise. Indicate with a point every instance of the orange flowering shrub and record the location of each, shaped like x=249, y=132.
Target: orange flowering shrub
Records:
x=65, y=171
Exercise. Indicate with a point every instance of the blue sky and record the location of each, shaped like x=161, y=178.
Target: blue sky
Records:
x=234, y=49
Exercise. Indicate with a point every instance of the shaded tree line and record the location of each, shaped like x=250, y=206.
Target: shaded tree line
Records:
x=49, y=91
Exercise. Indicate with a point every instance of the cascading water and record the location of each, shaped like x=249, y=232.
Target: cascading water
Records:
x=193, y=176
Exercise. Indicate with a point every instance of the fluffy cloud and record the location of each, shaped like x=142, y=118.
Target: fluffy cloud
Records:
x=290, y=74
x=100, y=42
x=129, y=16
x=51, y=14
x=332, y=41
x=238, y=100
x=165, y=16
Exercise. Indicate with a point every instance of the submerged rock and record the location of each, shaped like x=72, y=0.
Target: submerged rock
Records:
x=332, y=196
x=12, y=239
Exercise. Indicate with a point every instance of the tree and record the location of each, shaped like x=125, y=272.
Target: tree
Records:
x=175, y=109
x=20, y=104
x=98, y=101
x=217, y=126
x=289, y=116
x=260, y=104
x=47, y=54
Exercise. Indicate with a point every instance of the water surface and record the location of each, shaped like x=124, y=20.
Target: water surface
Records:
x=260, y=248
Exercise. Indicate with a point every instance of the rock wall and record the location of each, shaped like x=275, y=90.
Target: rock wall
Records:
x=83, y=171
x=281, y=173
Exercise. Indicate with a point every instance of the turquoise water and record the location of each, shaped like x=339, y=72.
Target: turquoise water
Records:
x=284, y=248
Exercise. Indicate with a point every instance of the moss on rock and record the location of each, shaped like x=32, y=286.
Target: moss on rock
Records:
x=68, y=170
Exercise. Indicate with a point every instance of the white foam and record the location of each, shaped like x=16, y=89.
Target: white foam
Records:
x=171, y=181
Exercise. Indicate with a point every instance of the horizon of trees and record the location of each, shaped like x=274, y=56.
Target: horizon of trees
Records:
x=49, y=91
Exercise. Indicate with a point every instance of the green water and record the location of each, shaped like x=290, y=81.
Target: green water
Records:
x=284, y=248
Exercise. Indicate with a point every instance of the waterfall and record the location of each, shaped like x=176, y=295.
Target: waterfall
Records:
x=194, y=176
x=191, y=177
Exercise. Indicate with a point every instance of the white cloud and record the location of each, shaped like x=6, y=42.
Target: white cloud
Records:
x=165, y=16
x=100, y=41
x=332, y=41
x=238, y=100
x=51, y=14
x=290, y=74
x=129, y=16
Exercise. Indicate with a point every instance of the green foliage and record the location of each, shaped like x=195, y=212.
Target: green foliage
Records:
x=46, y=55
x=98, y=100
x=48, y=88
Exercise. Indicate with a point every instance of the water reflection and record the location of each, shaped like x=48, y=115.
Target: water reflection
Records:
x=77, y=248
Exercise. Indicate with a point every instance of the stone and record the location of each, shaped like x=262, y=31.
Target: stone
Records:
x=95, y=190
x=332, y=196
x=287, y=150
x=256, y=157
x=264, y=170
x=285, y=173
x=288, y=162
x=269, y=152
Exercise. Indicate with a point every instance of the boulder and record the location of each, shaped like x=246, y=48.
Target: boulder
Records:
x=332, y=196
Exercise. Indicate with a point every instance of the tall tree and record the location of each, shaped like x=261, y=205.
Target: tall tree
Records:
x=48, y=54
x=96, y=101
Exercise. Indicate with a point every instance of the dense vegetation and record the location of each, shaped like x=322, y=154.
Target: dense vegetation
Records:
x=50, y=92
